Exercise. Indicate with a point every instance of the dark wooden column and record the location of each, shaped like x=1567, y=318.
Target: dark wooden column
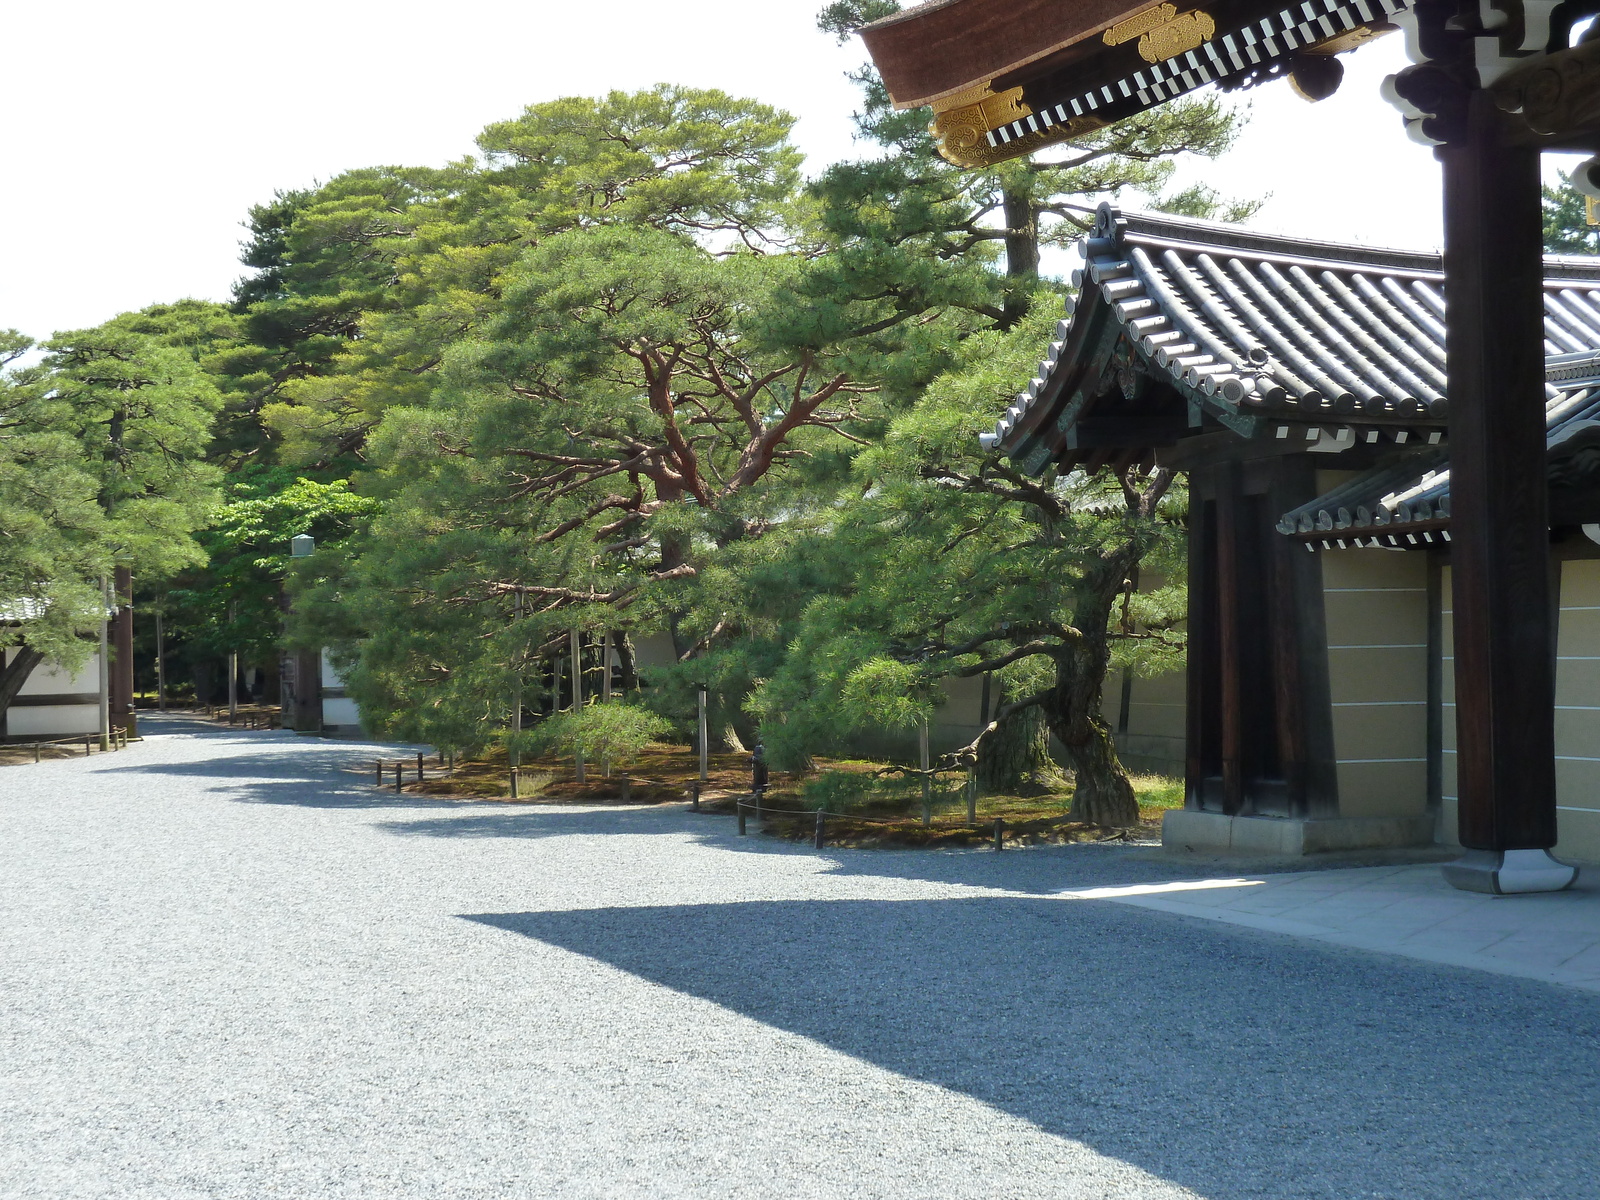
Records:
x=1505, y=682
x=302, y=709
x=1228, y=620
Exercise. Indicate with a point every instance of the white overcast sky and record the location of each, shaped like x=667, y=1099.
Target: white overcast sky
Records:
x=139, y=133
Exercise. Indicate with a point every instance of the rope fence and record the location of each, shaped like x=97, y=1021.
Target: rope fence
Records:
x=743, y=808
x=119, y=741
x=402, y=765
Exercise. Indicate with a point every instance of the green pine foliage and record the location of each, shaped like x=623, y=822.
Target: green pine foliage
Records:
x=1566, y=221
x=628, y=371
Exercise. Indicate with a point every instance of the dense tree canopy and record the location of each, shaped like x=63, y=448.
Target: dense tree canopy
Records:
x=627, y=371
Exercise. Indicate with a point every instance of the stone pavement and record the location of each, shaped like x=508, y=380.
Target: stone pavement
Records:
x=231, y=967
x=1405, y=910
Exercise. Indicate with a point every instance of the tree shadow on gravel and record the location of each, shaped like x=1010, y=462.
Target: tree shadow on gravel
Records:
x=1231, y=1063
x=1042, y=870
x=314, y=776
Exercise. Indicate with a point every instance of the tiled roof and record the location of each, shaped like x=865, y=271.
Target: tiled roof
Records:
x=22, y=609
x=1407, y=503
x=1269, y=336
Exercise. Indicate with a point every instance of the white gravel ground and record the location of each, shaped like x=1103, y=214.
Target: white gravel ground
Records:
x=230, y=968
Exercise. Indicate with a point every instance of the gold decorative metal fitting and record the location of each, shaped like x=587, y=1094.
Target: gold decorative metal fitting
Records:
x=1163, y=32
x=962, y=122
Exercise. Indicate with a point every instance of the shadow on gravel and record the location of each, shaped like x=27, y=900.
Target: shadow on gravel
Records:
x=1234, y=1065
x=313, y=775
x=1042, y=870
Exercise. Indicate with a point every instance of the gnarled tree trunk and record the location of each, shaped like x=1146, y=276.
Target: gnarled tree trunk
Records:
x=1015, y=758
x=15, y=675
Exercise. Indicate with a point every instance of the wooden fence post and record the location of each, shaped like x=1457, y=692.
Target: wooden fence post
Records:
x=999, y=833
x=822, y=818
x=398, y=775
x=419, y=766
x=694, y=795
x=514, y=783
x=739, y=806
x=379, y=766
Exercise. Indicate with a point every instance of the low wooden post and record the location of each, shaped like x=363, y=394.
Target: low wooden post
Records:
x=398, y=775
x=822, y=818
x=86, y=747
x=419, y=766
x=999, y=833
x=36, y=752
x=740, y=808
x=514, y=783
x=694, y=795
x=627, y=788
x=760, y=820
x=972, y=795
x=379, y=766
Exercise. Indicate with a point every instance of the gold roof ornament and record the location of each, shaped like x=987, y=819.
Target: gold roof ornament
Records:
x=1008, y=77
x=962, y=122
x=1162, y=32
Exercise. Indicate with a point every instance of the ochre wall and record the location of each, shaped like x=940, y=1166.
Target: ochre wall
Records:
x=1578, y=711
x=1577, y=714
x=1154, y=738
x=1377, y=614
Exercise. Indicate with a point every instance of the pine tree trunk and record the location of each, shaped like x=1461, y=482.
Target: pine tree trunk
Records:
x=1102, y=795
x=16, y=674
x=1016, y=756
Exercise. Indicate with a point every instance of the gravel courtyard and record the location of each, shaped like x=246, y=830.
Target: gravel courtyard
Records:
x=231, y=968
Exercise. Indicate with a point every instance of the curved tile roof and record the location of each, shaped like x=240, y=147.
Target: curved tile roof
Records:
x=1257, y=329
x=1407, y=503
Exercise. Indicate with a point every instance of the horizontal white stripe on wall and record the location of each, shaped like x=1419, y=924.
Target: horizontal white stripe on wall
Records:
x=1375, y=703
x=1351, y=762
x=1575, y=758
x=1580, y=608
x=1380, y=646
x=1571, y=808
x=1578, y=707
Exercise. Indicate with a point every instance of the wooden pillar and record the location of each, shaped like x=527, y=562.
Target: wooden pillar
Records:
x=1227, y=601
x=1504, y=668
x=122, y=652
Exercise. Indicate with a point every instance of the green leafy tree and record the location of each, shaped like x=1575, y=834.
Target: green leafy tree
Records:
x=1566, y=220
x=969, y=567
x=918, y=234
x=103, y=468
x=52, y=528
x=433, y=248
x=235, y=602
x=612, y=734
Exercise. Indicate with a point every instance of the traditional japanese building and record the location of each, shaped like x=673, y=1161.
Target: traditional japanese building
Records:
x=1300, y=386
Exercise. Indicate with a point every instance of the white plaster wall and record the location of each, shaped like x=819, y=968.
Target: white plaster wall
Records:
x=340, y=712
x=50, y=679
x=48, y=721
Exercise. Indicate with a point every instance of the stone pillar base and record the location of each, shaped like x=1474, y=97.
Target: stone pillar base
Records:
x=1508, y=872
x=1289, y=837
